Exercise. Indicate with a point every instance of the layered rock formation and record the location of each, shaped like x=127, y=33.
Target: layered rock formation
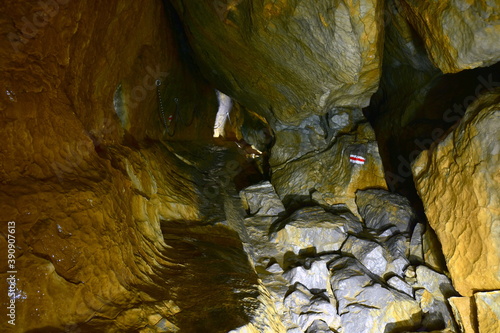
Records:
x=330, y=271
x=122, y=213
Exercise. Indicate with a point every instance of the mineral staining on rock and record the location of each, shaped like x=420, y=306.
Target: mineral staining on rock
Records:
x=311, y=162
x=458, y=181
x=459, y=34
x=124, y=228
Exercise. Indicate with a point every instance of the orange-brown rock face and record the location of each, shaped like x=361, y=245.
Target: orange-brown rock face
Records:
x=295, y=58
x=84, y=177
x=458, y=35
x=458, y=182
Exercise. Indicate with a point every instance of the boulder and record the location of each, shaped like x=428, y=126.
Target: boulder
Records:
x=437, y=288
x=366, y=306
x=313, y=229
x=381, y=209
x=288, y=59
x=261, y=200
x=475, y=27
x=376, y=258
x=458, y=181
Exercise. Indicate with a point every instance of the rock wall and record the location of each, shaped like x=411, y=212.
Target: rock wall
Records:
x=459, y=34
x=458, y=182
x=288, y=59
x=84, y=173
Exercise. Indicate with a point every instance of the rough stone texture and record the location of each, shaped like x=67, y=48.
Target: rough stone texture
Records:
x=314, y=277
x=306, y=308
x=416, y=247
x=377, y=259
x=437, y=288
x=325, y=174
x=292, y=57
x=89, y=183
x=261, y=200
x=458, y=182
x=366, y=306
x=457, y=34
x=381, y=209
x=463, y=313
x=313, y=229
x=488, y=311
x=399, y=284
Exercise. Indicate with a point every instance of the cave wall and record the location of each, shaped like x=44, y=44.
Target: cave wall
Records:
x=84, y=174
x=115, y=230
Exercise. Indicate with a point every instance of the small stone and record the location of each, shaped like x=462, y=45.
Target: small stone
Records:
x=410, y=272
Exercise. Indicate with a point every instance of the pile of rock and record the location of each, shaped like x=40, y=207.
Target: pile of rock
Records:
x=328, y=271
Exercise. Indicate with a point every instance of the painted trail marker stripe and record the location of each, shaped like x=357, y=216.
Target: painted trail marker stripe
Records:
x=357, y=159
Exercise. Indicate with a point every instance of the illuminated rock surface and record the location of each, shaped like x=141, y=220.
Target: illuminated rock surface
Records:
x=297, y=58
x=131, y=217
x=475, y=27
x=462, y=171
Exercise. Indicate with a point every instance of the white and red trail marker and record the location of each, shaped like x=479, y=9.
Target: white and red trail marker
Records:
x=357, y=159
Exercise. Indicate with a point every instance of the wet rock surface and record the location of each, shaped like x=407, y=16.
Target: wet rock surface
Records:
x=314, y=163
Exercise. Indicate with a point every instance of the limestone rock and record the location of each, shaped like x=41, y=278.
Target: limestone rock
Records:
x=381, y=209
x=416, y=249
x=312, y=228
x=437, y=288
x=319, y=326
x=314, y=277
x=377, y=259
x=400, y=285
x=366, y=306
x=261, y=200
x=433, y=253
x=458, y=182
x=306, y=308
x=313, y=174
x=475, y=27
x=463, y=313
x=488, y=311
x=294, y=58
x=313, y=135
